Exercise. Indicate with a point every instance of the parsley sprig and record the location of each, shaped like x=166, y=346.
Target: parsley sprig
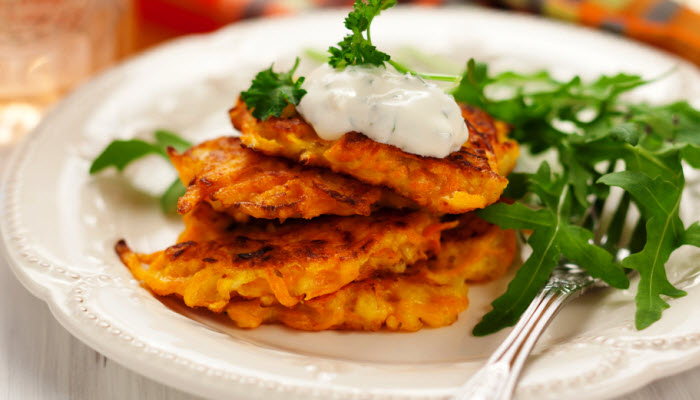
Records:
x=357, y=48
x=601, y=142
x=271, y=92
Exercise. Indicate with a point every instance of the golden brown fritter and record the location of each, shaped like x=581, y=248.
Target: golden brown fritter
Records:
x=397, y=303
x=475, y=250
x=243, y=183
x=431, y=293
x=285, y=263
x=470, y=178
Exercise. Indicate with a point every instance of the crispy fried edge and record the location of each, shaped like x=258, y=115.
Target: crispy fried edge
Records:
x=482, y=161
x=277, y=284
x=322, y=191
x=382, y=301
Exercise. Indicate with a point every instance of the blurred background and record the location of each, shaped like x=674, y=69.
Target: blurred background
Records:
x=47, y=47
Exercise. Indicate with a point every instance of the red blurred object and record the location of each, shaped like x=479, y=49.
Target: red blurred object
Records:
x=161, y=19
x=158, y=20
x=185, y=16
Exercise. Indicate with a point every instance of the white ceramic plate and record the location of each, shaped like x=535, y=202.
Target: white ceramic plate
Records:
x=59, y=226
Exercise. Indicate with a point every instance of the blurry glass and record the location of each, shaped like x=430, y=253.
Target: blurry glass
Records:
x=49, y=46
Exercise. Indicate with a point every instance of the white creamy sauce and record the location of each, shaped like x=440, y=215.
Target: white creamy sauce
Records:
x=386, y=106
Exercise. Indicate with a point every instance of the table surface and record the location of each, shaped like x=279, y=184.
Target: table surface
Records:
x=39, y=359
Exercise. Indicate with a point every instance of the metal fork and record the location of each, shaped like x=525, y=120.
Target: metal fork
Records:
x=497, y=379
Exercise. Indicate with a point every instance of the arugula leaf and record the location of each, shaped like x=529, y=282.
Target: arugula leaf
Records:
x=590, y=128
x=576, y=246
x=165, y=139
x=471, y=88
x=516, y=216
x=553, y=237
x=357, y=48
x=517, y=186
x=650, y=264
x=691, y=155
x=121, y=153
x=168, y=201
x=656, y=196
x=271, y=92
x=692, y=235
x=579, y=175
x=531, y=276
x=627, y=132
x=659, y=200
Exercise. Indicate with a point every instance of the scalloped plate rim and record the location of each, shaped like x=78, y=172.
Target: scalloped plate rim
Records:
x=130, y=360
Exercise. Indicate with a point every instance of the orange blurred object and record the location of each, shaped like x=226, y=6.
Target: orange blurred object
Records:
x=49, y=46
x=666, y=25
x=670, y=25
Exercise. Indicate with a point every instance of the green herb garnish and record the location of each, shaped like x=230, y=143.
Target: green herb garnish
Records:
x=554, y=236
x=271, y=92
x=357, y=48
x=121, y=153
x=593, y=133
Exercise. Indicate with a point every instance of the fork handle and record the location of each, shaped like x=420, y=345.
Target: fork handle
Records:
x=497, y=379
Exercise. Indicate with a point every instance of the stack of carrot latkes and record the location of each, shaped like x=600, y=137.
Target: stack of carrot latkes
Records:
x=283, y=226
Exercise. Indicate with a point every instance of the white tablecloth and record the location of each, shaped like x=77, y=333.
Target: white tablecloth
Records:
x=39, y=359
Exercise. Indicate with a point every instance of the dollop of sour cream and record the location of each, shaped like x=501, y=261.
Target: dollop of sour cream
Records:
x=387, y=106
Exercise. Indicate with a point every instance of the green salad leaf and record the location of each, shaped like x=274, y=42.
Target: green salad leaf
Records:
x=554, y=236
x=168, y=200
x=165, y=139
x=659, y=200
x=600, y=141
x=692, y=235
x=120, y=153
